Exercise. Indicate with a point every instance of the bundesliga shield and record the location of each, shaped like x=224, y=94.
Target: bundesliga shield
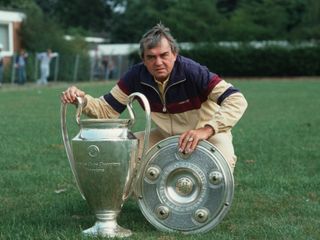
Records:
x=188, y=193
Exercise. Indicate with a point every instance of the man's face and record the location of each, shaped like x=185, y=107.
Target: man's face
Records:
x=160, y=60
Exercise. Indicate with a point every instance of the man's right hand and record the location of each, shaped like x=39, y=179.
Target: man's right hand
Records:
x=70, y=95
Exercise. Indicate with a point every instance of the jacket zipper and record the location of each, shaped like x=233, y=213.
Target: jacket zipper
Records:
x=163, y=99
x=164, y=95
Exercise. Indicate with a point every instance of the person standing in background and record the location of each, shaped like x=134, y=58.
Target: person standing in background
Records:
x=21, y=62
x=1, y=64
x=111, y=67
x=105, y=65
x=45, y=59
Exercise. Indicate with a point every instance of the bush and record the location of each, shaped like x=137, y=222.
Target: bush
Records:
x=250, y=61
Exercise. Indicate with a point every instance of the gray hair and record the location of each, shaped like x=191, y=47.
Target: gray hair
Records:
x=153, y=36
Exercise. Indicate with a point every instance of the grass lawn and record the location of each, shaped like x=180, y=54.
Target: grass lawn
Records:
x=277, y=177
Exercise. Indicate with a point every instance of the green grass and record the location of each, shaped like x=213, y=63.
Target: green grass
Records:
x=277, y=181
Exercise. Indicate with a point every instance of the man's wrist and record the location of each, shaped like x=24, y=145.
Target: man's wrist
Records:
x=210, y=129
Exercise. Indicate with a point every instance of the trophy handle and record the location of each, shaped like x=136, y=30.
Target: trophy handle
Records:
x=135, y=167
x=148, y=119
x=65, y=137
x=80, y=106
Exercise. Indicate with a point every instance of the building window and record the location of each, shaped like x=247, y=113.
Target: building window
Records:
x=4, y=36
x=9, y=20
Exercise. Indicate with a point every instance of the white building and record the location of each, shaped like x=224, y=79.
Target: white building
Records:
x=10, y=23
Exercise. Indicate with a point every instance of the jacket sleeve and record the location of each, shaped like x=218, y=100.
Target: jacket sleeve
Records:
x=106, y=106
x=223, y=109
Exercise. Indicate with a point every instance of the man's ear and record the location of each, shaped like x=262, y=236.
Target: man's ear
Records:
x=142, y=59
x=175, y=55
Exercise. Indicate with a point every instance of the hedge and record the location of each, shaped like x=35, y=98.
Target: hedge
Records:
x=252, y=61
x=266, y=61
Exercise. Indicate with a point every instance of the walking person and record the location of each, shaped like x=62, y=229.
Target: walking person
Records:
x=186, y=98
x=45, y=59
x=21, y=62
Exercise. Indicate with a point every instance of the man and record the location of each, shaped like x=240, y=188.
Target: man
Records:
x=186, y=99
x=105, y=65
x=45, y=59
x=21, y=62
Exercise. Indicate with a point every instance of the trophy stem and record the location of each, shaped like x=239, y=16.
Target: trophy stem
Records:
x=107, y=226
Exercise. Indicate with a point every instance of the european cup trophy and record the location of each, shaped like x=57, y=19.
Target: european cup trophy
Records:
x=103, y=159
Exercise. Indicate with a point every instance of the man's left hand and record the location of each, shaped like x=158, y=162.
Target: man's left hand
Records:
x=189, y=140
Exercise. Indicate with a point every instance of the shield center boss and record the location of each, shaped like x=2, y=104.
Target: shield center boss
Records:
x=184, y=186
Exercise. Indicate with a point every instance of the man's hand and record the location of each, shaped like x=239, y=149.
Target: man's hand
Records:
x=71, y=94
x=189, y=140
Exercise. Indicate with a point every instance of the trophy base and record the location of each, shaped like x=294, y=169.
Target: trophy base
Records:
x=108, y=229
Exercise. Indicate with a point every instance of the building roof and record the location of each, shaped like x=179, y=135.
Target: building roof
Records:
x=11, y=16
x=117, y=49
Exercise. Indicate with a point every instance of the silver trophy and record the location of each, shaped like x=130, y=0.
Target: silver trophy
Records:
x=103, y=159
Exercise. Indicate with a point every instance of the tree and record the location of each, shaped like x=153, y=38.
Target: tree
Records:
x=90, y=17
x=193, y=21
x=219, y=20
x=226, y=6
x=129, y=25
x=189, y=20
x=309, y=26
